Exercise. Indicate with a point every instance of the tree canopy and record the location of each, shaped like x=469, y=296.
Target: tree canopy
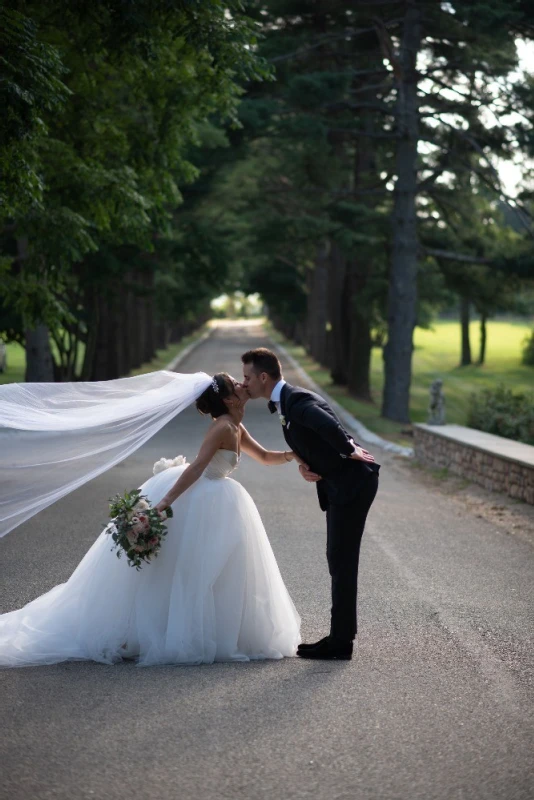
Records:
x=340, y=159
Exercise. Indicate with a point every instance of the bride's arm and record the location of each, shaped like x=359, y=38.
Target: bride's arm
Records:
x=210, y=445
x=269, y=457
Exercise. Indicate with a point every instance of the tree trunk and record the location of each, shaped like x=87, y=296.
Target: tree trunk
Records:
x=92, y=333
x=39, y=362
x=127, y=319
x=135, y=323
x=465, y=359
x=161, y=338
x=177, y=332
x=360, y=356
x=140, y=331
x=483, y=339
x=150, y=347
x=402, y=296
x=119, y=362
x=339, y=328
x=318, y=307
x=108, y=361
x=360, y=344
x=361, y=267
x=99, y=366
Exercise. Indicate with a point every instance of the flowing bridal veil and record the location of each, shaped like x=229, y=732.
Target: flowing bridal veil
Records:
x=54, y=437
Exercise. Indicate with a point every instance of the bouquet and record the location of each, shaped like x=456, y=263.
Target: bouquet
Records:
x=137, y=529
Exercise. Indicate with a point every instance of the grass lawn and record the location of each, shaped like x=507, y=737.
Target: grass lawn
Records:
x=16, y=364
x=436, y=355
x=16, y=359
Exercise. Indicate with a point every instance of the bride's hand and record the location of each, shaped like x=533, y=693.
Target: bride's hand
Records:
x=307, y=473
x=161, y=506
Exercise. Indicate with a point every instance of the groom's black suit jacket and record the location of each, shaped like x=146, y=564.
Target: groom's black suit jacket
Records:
x=316, y=435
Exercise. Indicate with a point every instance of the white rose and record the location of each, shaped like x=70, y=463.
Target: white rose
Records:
x=179, y=461
x=142, y=505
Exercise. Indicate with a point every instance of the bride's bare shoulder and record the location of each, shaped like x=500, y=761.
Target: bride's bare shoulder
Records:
x=220, y=427
x=225, y=423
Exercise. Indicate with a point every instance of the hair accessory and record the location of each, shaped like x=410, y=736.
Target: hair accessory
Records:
x=215, y=386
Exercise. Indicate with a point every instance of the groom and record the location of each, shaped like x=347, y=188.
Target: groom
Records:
x=347, y=480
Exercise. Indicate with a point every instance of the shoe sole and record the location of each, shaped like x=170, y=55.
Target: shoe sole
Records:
x=324, y=657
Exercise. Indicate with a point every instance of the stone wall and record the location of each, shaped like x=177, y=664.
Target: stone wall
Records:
x=489, y=469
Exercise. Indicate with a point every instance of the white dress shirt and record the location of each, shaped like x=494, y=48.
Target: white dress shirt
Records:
x=276, y=392
x=275, y=397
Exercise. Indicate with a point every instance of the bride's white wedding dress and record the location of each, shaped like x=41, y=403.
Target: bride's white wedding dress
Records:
x=214, y=593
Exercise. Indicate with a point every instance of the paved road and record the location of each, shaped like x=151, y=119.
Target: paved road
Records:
x=435, y=705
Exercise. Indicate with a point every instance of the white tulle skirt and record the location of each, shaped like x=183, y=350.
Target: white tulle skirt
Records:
x=214, y=593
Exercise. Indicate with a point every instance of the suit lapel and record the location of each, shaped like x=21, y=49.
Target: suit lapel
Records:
x=286, y=388
x=285, y=401
x=283, y=396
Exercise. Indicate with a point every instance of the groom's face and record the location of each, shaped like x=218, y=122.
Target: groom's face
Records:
x=252, y=382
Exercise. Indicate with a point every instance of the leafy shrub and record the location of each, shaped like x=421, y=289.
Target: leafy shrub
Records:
x=503, y=413
x=528, y=351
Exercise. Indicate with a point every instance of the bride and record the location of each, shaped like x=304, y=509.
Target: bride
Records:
x=215, y=592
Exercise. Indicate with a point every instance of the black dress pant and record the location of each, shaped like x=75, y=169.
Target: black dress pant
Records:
x=345, y=524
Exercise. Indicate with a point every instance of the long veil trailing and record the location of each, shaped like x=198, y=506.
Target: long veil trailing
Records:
x=54, y=437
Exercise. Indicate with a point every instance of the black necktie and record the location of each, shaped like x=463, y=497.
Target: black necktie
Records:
x=271, y=406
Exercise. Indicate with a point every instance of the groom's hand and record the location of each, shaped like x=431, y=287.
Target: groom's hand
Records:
x=362, y=455
x=307, y=474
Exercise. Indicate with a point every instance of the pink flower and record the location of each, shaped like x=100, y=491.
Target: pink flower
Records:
x=144, y=520
x=139, y=548
x=132, y=536
x=153, y=541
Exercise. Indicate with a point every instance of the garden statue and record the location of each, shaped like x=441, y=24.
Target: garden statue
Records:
x=436, y=409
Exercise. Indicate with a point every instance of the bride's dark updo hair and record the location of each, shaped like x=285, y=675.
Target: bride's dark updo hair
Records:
x=211, y=402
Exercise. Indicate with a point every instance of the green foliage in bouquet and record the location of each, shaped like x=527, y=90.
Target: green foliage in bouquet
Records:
x=504, y=413
x=136, y=529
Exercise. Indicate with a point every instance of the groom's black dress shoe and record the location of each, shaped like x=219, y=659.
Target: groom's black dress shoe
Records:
x=313, y=644
x=327, y=648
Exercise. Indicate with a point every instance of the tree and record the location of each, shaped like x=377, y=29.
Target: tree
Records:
x=465, y=45
x=402, y=299
x=111, y=166
x=31, y=86
x=377, y=125
x=321, y=188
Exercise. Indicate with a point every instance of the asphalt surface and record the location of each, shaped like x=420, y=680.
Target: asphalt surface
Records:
x=436, y=704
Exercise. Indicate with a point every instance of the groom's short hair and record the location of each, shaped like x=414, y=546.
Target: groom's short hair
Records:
x=263, y=360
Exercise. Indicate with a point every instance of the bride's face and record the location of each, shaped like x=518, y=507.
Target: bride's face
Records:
x=239, y=392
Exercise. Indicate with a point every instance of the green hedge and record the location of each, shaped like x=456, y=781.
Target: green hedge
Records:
x=503, y=413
